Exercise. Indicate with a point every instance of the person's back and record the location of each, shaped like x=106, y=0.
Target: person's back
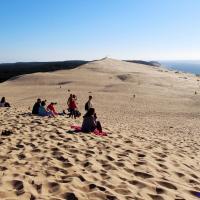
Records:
x=88, y=124
x=35, y=110
x=51, y=108
x=42, y=111
x=36, y=107
x=88, y=104
x=3, y=102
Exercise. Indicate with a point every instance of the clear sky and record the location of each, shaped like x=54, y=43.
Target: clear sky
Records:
x=44, y=30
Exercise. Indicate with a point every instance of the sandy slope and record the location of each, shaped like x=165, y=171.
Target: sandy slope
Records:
x=152, y=151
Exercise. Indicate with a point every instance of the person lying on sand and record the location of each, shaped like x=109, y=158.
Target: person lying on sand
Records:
x=3, y=103
x=51, y=108
x=43, y=111
x=36, y=106
x=90, y=122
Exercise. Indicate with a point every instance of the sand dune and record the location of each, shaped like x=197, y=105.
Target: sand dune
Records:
x=151, y=152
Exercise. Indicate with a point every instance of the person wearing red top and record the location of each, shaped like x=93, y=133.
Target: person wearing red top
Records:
x=51, y=108
x=72, y=106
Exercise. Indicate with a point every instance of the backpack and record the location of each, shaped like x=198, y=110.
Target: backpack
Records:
x=86, y=106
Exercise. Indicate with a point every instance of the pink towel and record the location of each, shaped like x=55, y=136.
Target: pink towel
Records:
x=96, y=132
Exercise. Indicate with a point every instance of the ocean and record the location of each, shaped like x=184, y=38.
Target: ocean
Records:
x=184, y=66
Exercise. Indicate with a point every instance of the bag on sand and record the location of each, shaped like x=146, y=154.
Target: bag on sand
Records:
x=77, y=113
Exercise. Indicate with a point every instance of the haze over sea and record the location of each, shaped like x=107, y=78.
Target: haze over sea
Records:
x=190, y=66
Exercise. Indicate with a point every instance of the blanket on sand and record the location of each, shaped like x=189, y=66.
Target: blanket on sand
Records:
x=96, y=132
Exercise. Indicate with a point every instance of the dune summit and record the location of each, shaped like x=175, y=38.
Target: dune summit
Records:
x=151, y=152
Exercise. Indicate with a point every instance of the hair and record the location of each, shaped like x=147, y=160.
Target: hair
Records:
x=43, y=103
x=74, y=96
x=38, y=100
x=90, y=112
x=90, y=97
x=3, y=100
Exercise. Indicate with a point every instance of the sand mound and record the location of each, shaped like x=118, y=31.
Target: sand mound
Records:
x=151, y=152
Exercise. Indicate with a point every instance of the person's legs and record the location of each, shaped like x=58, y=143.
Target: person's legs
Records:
x=99, y=128
x=74, y=113
x=50, y=114
x=70, y=112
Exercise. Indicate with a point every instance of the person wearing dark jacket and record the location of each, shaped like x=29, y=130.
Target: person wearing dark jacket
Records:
x=36, y=106
x=4, y=103
x=90, y=123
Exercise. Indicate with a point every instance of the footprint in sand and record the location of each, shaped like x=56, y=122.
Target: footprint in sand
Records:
x=53, y=187
x=156, y=197
x=18, y=186
x=167, y=185
x=137, y=183
x=123, y=191
x=160, y=190
x=143, y=175
x=69, y=196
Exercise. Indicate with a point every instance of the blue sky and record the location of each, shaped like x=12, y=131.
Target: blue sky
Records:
x=44, y=30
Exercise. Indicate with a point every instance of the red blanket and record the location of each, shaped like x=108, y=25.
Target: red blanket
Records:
x=96, y=132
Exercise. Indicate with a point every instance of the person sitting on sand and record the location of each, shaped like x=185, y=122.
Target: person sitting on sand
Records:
x=36, y=106
x=43, y=112
x=51, y=108
x=90, y=122
x=3, y=103
x=88, y=104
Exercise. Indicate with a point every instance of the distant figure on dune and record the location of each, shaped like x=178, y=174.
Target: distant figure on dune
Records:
x=43, y=111
x=36, y=106
x=51, y=108
x=88, y=104
x=3, y=102
x=90, y=122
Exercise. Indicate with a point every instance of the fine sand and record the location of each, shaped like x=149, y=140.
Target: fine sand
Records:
x=151, y=152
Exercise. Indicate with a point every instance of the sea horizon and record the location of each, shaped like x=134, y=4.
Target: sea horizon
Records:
x=188, y=66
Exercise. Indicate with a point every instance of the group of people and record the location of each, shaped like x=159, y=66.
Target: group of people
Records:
x=72, y=106
x=90, y=122
x=40, y=109
x=4, y=103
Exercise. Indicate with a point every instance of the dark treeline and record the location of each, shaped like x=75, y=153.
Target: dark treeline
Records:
x=150, y=63
x=9, y=70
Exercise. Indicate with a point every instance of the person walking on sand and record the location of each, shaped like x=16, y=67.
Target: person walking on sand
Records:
x=90, y=122
x=89, y=104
